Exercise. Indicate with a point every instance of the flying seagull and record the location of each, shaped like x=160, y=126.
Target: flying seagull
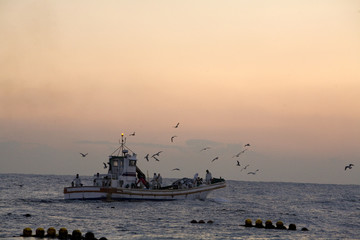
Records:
x=176, y=169
x=105, y=166
x=215, y=159
x=157, y=154
x=132, y=134
x=177, y=125
x=247, y=145
x=245, y=167
x=147, y=157
x=237, y=155
x=205, y=148
x=83, y=155
x=172, y=138
x=238, y=163
x=349, y=166
x=155, y=158
x=253, y=173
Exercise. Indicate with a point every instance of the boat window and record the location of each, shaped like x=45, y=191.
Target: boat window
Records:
x=121, y=163
x=132, y=163
x=115, y=163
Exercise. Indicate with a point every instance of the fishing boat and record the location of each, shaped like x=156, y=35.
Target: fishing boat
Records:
x=126, y=181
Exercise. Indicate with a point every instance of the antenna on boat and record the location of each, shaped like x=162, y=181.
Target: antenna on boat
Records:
x=122, y=149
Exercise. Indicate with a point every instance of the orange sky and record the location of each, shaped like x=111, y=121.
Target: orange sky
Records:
x=281, y=75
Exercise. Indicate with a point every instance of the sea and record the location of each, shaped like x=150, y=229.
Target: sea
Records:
x=328, y=211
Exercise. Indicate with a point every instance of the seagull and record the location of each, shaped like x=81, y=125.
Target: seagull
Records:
x=237, y=155
x=245, y=167
x=132, y=134
x=157, y=154
x=247, y=145
x=205, y=148
x=215, y=159
x=238, y=163
x=349, y=166
x=83, y=155
x=172, y=138
x=147, y=157
x=105, y=166
x=155, y=158
x=176, y=169
x=253, y=173
x=177, y=125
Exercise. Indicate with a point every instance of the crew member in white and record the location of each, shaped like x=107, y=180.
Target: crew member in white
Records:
x=208, y=177
x=77, y=181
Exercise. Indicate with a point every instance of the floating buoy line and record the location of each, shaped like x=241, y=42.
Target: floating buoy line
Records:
x=270, y=225
x=259, y=224
x=62, y=234
x=77, y=235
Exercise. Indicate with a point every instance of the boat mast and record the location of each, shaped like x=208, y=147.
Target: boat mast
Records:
x=122, y=147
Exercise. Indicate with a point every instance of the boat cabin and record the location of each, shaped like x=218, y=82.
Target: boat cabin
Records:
x=122, y=170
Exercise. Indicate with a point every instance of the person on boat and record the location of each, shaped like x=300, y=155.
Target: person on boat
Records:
x=159, y=180
x=77, y=181
x=208, y=177
x=195, y=178
x=97, y=181
x=141, y=181
x=154, y=181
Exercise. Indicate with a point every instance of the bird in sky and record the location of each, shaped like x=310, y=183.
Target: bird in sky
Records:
x=253, y=173
x=105, y=166
x=132, y=134
x=157, y=154
x=147, y=157
x=83, y=155
x=247, y=145
x=244, y=168
x=172, y=138
x=176, y=169
x=204, y=149
x=349, y=166
x=238, y=163
x=155, y=158
x=237, y=155
x=215, y=159
x=177, y=125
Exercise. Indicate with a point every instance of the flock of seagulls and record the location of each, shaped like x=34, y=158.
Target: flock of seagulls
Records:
x=156, y=156
x=238, y=164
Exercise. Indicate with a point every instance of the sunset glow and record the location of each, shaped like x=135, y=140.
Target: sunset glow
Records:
x=281, y=75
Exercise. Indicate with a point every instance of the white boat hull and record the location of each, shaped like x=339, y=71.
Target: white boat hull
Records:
x=110, y=193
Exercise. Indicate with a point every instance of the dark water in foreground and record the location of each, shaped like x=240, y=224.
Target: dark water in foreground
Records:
x=328, y=211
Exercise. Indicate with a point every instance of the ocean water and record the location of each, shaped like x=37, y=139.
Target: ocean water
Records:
x=328, y=211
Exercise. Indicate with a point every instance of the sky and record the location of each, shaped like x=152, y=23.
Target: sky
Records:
x=283, y=76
